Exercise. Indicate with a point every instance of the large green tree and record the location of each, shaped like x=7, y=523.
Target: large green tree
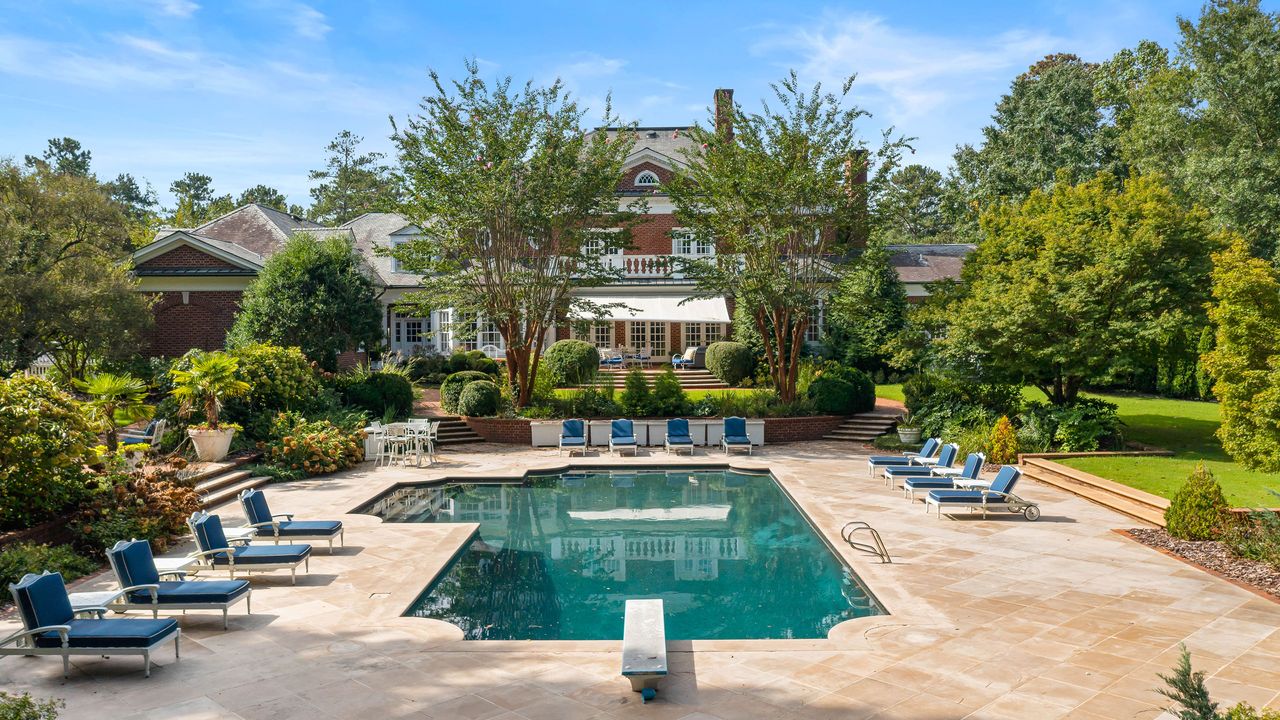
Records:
x=1068, y=279
x=910, y=210
x=264, y=195
x=196, y=201
x=867, y=309
x=1207, y=118
x=1049, y=121
x=1245, y=362
x=352, y=182
x=518, y=205
x=64, y=156
x=63, y=287
x=776, y=192
x=315, y=295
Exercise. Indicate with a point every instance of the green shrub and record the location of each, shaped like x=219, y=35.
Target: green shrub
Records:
x=1003, y=447
x=1257, y=536
x=669, y=398
x=126, y=505
x=45, y=438
x=938, y=402
x=831, y=395
x=1083, y=426
x=570, y=362
x=1198, y=510
x=451, y=388
x=586, y=402
x=479, y=399
x=276, y=473
x=381, y=394
x=314, y=447
x=280, y=379
x=636, y=399
x=24, y=707
x=732, y=362
x=22, y=558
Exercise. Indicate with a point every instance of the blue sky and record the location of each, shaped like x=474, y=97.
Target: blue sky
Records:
x=251, y=92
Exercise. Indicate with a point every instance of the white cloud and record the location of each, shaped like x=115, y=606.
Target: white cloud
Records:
x=309, y=22
x=177, y=8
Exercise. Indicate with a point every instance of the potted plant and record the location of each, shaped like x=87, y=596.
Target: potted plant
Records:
x=908, y=431
x=210, y=379
x=115, y=401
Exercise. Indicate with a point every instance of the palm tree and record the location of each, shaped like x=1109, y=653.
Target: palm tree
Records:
x=211, y=377
x=115, y=401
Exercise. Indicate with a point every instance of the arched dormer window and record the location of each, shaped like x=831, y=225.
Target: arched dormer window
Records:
x=648, y=178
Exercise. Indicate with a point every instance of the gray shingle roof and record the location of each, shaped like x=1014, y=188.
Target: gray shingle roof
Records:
x=928, y=263
x=254, y=227
x=665, y=142
x=374, y=230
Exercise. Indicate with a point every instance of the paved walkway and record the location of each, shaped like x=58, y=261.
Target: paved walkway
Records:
x=990, y=619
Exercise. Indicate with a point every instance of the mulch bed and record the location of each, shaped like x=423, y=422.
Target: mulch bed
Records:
x=1215, y=557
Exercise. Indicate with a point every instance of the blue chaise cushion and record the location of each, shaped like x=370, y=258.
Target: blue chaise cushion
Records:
x=112, y=633
x=679, y=440
x=255, y=507
x=568, y=440
x=960, y=496
x=193, y=591
x=266, y=555
x=907, y=471
x=308, y=527
x=925, y=483
x=737, y=439
x=42, y=600
x=629, y=440
x=889, y=460
x=135, y=564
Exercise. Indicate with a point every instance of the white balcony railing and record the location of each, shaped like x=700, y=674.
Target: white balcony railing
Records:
x=648, y=266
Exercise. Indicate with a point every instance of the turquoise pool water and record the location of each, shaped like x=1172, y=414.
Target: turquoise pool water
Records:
x=557, y=555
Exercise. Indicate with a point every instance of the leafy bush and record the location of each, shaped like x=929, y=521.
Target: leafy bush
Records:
x=1198, y=510
x=861, y=394
x=479, y=399
x=381, y=394
x=128, y=505
x=45, y=437
x=280, y=379
x=669, y=398
x=25, y=707
x=1082, y=426
x=570, y=362
x=939, y=402
x=636, y=399
x=586, y=402
x=22, y=558
x=451, y=388
x=1003, y=448
x=313, y=446
x=831, y=395
x=1188, y=689
x=1256, y=537
x=276, y=473
x=732, y=362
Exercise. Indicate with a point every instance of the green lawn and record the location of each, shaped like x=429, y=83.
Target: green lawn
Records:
x=1184, y=426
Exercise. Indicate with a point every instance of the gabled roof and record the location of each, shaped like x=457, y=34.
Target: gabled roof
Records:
x=372, y=231
x=928, y=263
x=230, y=253
x=256, y=228
x=663, y=146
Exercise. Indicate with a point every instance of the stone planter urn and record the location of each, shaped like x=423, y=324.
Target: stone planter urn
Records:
x=211, y=445
x=908, y=436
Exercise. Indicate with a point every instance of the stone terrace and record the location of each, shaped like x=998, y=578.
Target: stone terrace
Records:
x=1000, y=618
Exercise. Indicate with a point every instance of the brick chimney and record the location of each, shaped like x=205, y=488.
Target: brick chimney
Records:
x=724, y=112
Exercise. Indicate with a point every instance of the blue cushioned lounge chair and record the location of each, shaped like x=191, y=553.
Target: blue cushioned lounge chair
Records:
x=267, y=525
x=735, y=435
x=925, y=452
x=216, y=553
x=997, y=497
x=141, y=586
x=50, y=626
x=946, y=459
x=944, y=479
x=622, y=434
x=573, y=436
x=678, y=437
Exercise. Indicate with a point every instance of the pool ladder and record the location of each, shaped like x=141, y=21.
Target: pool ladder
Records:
x=875, y=547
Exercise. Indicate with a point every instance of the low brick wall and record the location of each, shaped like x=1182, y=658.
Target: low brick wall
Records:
x=796, y=429
x=514, y=431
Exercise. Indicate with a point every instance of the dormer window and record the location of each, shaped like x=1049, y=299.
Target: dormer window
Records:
x=648, y=178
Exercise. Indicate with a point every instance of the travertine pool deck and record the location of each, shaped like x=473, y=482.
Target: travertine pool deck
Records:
x=997, y=618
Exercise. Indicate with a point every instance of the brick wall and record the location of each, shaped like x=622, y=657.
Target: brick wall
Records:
x=782, y=430
x=185, y=256
x=651, y=236
x=629, y=177
x=514, y=431
x=200, y=320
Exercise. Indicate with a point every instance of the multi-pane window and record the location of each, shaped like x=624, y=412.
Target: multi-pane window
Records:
x=444, y=332
x=813, y=332
x=409, y=331
x=598, y=334
x=696, y=334
x=683, y=242
x=489, y=334
x=648, y=178
x=648, y=334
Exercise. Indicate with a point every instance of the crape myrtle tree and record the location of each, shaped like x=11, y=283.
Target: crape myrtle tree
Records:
x=1069, y=279
x=518, y=207
x=777, y=192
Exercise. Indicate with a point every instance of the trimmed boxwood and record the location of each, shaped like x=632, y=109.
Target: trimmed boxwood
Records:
x=732, y=362
x=379, y=392
x=479, y=399
x=570, y=362
x=831, y=396
x=451, y=388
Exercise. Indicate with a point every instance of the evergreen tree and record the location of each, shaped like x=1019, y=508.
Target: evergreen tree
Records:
x=196, y=201
x=64, y=156
x=264, y=195
x=868, y=308
x=352, y=183
x=910, y=209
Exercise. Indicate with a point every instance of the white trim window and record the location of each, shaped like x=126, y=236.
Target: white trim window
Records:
x=703, y=334
x=683, y=242
x=599, y=334
x=648, y=178
x=595, y=245
x=650, y=334
x=444, y=330
x=410, y=332
x=813, y=332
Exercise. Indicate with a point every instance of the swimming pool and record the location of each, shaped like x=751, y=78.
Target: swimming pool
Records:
x=557, y=554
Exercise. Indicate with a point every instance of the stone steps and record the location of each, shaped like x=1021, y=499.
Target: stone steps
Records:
x=454, y=431
x=1123, y=499
x=864, y=427
x=226, y=487
x=689, y=379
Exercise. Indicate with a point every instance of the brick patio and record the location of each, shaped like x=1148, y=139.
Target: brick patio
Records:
x=1000, y=618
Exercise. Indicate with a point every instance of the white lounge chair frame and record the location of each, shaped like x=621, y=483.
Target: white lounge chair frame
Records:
x=120, y=601
x=274, y=524
x=204, y=558
x=991, y=500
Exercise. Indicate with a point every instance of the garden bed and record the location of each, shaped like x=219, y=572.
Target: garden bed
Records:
x=1215, y=557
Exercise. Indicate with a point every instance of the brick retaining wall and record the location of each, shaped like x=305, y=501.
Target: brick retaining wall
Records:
x=514, y=431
